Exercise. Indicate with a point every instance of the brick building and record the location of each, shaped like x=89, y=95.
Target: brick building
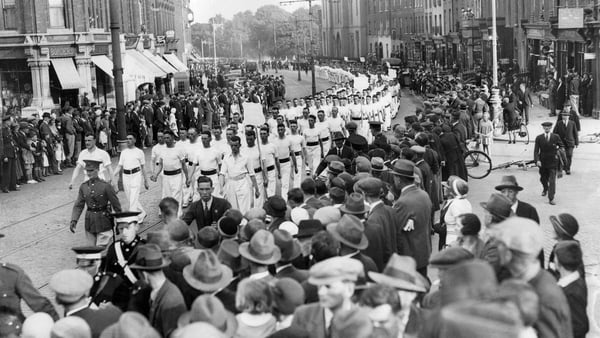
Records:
x=344, y=28
x=55, y=51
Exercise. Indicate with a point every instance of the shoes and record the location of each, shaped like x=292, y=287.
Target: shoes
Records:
x=32, y=182
x=39, y=179
x=5, y=191
x=568, y=172
x=552, y=202
x=544, y=193
x=58, y=173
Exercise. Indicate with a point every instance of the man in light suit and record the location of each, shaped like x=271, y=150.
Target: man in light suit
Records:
x=413, y=214
x=544, y=154
x=209, y=209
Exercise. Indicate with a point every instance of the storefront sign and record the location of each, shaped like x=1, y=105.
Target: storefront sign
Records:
x=62, y=51
x=533, y=33
x=170, y=34
x=589, y=56
x=570, y=18
x=160, y=40
x=542, y=62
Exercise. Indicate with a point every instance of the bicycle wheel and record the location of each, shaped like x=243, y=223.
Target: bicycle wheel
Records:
x=478, y=164
x=524, y=133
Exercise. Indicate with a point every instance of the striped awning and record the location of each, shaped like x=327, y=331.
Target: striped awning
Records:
x=175, y=62
x=67, y=73
x=159, y=62
x=140, y=63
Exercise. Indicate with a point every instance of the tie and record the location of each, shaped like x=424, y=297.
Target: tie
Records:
x=547, y=137
x=340, y=152
x=207, y=216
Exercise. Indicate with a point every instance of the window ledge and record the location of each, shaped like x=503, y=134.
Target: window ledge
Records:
x=9, y=32
x=59, y=30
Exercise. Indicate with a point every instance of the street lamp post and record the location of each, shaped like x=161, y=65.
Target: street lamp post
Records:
x=115, y=34
x=495, y=98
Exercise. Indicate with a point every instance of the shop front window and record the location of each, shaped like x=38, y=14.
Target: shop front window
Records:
x=56, y=12
x=15, y=81
x=9, y=14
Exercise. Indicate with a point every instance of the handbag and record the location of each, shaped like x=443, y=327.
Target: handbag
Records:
x=440, y=227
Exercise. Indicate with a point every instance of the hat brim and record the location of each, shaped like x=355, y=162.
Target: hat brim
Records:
x=507, y=186
x=296, y=251
x=226, y=277
x=557, y=228
x=380, y=170
x=394, y=172
x=164, y=264
x=231, y=324
x=364, y=242
x=395, y=282
x=351, y=212
x=484, y=206
x=245, y=252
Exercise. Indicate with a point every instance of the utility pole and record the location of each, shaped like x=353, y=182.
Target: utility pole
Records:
x=297, y=52
x=311, y=57
x=596, y=63
x=495, y=98
x=115, y=34
x=214, y=27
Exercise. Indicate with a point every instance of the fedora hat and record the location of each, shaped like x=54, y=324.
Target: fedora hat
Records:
x=228, y=227
x=355, y=205
x=510, y=182
x=565, y=225
x=378, y=164
x=404, y=168
x=498, y=205
x=149, y=258
x=261, y=249
x=400, y=273
x=229, y=255
x=288, y=245
x=209, y=309
x=338, y=135
x=309, y=227
x=275, y=206
x=350, y=231
x=206, y=273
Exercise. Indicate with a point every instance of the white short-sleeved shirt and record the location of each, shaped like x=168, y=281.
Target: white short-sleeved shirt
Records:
x=312, y=135
x=157, y=151
x=221, y=146
x=302, y=124
x=172, y=157
x=297, y=141
x=283, y=147
x=236, y=165
x=96, y=155
x=336, y=124
x=323, y=129
x=268, y=154
x=253, y=156
x=132, y=158
x=207, y=158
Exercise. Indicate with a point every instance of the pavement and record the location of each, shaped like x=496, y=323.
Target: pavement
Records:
x=36, y=219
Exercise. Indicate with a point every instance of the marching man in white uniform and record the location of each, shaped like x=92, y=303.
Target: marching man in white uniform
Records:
x=314, y=147
x=285, y=153
x=270, y=163
x=324, y=131
x=189, y=146
x=132, y=161
x=252, y=153
x=234, y=178
x=157, y=150
x=172, y=165
x=91, y=152
x=206, y=162
x=299, y=148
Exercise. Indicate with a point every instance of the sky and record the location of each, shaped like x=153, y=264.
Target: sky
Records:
x=205, y=9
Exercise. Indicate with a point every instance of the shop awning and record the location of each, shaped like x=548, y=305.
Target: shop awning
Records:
x=174, y=61
x=569, y=35
x=159, y=62
x=142, y=64
x=67, y=73
x=134, y=71
x=104, y=63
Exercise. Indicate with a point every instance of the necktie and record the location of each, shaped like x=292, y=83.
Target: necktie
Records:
x=547, y=137
x=207, y=216
x=340, y=152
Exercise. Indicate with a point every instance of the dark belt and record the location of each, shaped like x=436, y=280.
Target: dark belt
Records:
x=172, y=172
x=312, y=144
x=357, y=118
x=325, y=139
x=96, y=209
x=297, y=153
x=190, y=162
x=208, y=172
x=132, y=171
x=272, y=167
x=259, y=169
x=284, y=160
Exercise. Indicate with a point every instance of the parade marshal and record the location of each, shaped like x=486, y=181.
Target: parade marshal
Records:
x=100, y=198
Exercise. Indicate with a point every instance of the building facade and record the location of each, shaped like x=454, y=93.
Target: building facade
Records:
x=58, y=51
x=344, y=28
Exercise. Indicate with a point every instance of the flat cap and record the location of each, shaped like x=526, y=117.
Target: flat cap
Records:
x=521, y=234
x=370, y=186
x=547, y=124
x=335, y=167
x=71, y=285
x=449, y=257
x=335, y=269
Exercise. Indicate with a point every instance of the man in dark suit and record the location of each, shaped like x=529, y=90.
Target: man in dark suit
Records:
x=544, y=154
x=290, y=250
x=8, y=157
x=209, y=209
x=568, y=258
x=344, y=152
x=72, y=288
x=413, y=216
x=567, y=131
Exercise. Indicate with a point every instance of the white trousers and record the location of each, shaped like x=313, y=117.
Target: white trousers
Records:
x=286, y=177
x=258, y=202
x=314, y=157
x=271, y=183
x=132, y=184
x=188, y=193
x=387, y=122
x=172, y=186
x=103, y=238
x=297, y=175
x=239, y=193
x=326, y=147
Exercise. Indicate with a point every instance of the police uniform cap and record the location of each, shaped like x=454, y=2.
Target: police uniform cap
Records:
x=449, y=257
x=88, y=252
x=547, y=124
x=71, y=285
x=126, y=216
x=335, y=269
x=92, y=164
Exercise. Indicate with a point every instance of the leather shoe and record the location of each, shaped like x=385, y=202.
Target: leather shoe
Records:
x=544, y=193
x=568, y=172
x=5, y=191
x=552, y=202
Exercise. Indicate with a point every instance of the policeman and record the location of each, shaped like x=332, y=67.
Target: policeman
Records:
x=100, y=198
x=115, y=278
x=16, y=285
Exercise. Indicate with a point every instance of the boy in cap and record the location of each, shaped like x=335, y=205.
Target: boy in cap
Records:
x=100, y=198
x=335, y=277
x=72, y=289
